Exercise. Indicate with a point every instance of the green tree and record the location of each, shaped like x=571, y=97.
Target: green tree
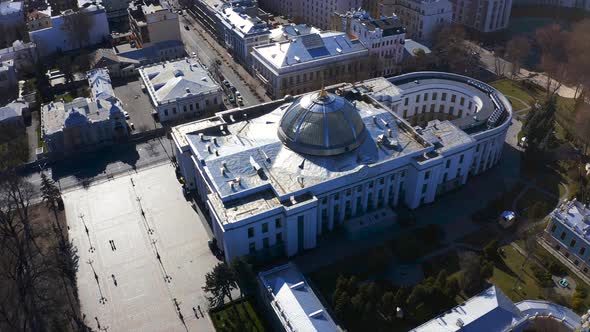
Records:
x=539, y=126
x=490, y=251
x=245, y=276
x=219, y=283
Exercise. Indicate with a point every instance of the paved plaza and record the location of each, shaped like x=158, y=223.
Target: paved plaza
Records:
x=133, y=266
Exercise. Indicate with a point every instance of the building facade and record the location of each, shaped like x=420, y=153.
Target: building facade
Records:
x=383, y=37
x=23, y=54
x=482, y=15
x=422, y=18
x=567, y=234
x=151, y=23
x=313, y=12
x=72, y=30
x=307, y=62
x=85, y=123
x=181, y=89
x=277, y=175
x=242, y=29
x=8, y=78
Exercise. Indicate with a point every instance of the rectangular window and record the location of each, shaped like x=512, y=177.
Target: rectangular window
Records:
x=184, y=108
x=434, y=95
x=278, y=223
x=426, y=97
x=461, y=159
x=562, y=236
x=417, y=98
x=174, y=110
x=572, y=242
x=279, y=237
x=448, y=163
x=250, y=232
x=265, y=227
x=424, y=187
x=444, y=96
x=553, y=227
x=462, y=101
x=441, y=108
x=453, y=98
x=252, y=247
x=265, y=243
x=406, y=101
x=427, y=175
x=582, y=250
x=191, y=107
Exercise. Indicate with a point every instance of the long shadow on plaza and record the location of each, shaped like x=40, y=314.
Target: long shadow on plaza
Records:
x=85, y=166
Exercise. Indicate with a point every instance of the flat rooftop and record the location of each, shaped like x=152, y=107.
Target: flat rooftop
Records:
x=244, y=23
x=309, y=48
x=169, y=81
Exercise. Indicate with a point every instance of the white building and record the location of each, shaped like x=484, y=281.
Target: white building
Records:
x=567, y=234
x=422, y=18
x=312, y=12
x=306, y=62
x=482, y=15
x=23, y=54
x=72, y=30
x=384, y=37
x=296, y=307
x=153, y=23
x=12, y=119
x=181, y=89
x=84, y=123
x=491, y=310
x=242, y=32
x=277, y=175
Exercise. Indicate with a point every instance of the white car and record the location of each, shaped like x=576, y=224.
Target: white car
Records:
x=126, y=115
x=194, y=54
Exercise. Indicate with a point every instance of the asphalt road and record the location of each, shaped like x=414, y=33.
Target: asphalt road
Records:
x=195, y=42
x=103, y=165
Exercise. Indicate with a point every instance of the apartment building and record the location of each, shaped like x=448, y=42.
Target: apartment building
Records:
x=312, y=12
x=422, y=18
x=151, y=23
x=482, y=15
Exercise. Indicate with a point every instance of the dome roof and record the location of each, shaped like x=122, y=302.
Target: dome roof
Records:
x=322, y=124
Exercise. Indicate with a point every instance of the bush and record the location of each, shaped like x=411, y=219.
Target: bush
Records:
x=542, y=276
x=556, y=268
x=490, y=251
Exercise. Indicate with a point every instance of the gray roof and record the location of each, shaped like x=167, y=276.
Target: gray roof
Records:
x=489, y=311
x=10, y=7
x=322, y=124
x=167, y=82
x=295, y=303
x=245, y=24
x=13, y=110
x=99, y=82
x=81, y=111
x=309, y=48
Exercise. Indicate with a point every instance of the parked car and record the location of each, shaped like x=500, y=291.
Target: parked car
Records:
x=131, y=125
x=240, y=101
x=231, y=100
x=186, y=27
x=194, y=53
x=238, y=94
x=226, y=84
x=126, y=115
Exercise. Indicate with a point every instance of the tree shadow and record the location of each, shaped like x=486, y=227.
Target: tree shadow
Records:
x=85, y=166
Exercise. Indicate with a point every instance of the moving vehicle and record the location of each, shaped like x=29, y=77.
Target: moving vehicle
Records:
x=240, y=100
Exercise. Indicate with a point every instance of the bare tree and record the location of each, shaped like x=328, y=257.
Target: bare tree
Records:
x=577, y=47
x=499, y=63
x=554, y=57
x=517, y=49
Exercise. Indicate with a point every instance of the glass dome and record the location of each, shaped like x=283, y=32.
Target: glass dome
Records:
x=322, y=124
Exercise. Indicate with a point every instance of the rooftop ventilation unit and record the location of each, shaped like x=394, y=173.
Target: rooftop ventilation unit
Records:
x=255, y=165
x=298, y=285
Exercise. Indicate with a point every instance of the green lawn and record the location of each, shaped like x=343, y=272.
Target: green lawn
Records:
x=512, y=88
x=68, y=98
x=244, y=320
x=516, y=283
x=517, y=105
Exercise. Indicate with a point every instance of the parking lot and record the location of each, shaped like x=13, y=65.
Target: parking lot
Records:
x=142, y=249
x=137, y=104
